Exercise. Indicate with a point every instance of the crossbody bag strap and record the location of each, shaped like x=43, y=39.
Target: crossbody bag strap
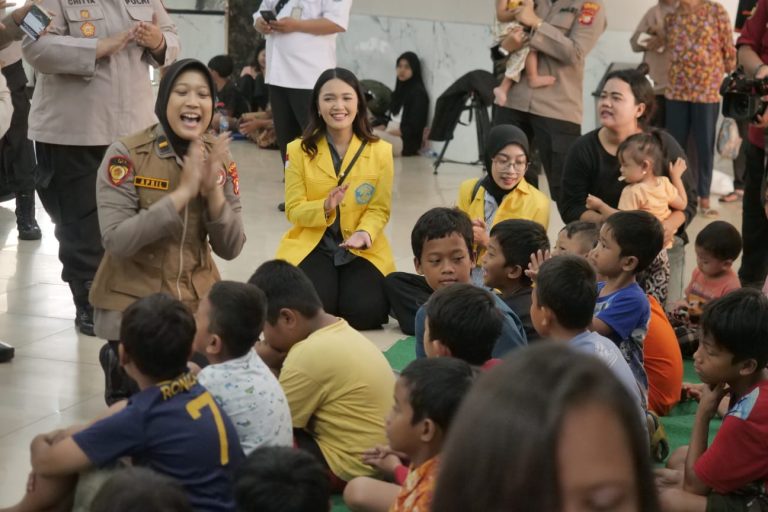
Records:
x=344, y=175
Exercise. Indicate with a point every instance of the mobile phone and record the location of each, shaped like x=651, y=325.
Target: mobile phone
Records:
x=35, y=22
x=268, y=16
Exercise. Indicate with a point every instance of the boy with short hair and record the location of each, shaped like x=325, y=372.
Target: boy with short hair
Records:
x=563, y=304
x=577, y=237
x=732, y=472
x=629, y=241
x=281, y=479
x=173, y=425
x=462, y=322
x=337, y=382
x=509, y=251
x=229, y=322
x=442, y=251
x=230, y=102
x=427, y=395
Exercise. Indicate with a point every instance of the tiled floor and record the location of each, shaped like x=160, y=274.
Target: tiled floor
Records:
x=55, y=379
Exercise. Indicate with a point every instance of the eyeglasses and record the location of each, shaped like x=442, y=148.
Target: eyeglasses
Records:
x=504, y=165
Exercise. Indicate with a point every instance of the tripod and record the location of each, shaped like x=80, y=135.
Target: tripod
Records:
x=476, y=109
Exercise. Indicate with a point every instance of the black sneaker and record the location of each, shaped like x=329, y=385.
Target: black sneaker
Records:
x=117, y=384
x=84, y=320
x=6, y=352
x=29, y=231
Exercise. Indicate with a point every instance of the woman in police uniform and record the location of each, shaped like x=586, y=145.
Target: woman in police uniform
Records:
x=338, y=191
x=166, y=195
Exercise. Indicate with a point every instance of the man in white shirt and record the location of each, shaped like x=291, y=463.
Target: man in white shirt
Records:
x=301, y=44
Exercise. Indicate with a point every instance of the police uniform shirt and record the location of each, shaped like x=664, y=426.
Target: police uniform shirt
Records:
x=176, y=429
x=295, y=60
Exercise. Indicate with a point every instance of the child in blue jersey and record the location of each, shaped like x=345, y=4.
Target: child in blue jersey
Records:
x=629, y=241
x=172, y=426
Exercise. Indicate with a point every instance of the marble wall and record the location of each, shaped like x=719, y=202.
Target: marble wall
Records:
x=448, y=50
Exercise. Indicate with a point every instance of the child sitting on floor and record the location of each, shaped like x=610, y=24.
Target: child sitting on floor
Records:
x=173, y=425
x=427, y=395
x=628, y=243
x=229, y=321
x=731, y=473
x=717, y=247
x=509, y=251
x=442, y=250
x=337, y=382
x=280, y=479
x=577, y=238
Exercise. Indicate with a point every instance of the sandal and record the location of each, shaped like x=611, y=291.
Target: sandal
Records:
x=709, y=213
x=659, y=440
x=735, y=196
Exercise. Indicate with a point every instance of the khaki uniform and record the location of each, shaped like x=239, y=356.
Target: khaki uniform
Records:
x=79, y=101
x=7, y=36
x=149, y=246
x=570, y=30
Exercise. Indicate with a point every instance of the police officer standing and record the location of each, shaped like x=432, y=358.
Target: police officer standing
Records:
x=93, y=88
x=563, y=32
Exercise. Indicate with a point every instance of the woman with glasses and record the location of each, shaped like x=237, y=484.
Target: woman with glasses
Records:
x=503, y=192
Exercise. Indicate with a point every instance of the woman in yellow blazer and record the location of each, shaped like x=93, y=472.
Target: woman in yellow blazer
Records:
x=503, y=193
x=338, y=194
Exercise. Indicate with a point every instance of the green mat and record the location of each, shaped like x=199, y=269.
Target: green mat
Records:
x=678, y=423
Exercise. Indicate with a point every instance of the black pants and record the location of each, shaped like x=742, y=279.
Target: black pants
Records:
x=290, y=111
x=699, y=120
x=740, y=164
x=67, y=188
x=354, y=291
x=552, y=138
x=17, y=159
x=754, y=224
x=406, y=293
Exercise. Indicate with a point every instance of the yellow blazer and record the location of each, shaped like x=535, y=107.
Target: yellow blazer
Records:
x=525, y=202
x=365, y=207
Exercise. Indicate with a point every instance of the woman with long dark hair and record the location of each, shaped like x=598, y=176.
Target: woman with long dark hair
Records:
x=408, y=108
x=338, y=194
x=548, y=430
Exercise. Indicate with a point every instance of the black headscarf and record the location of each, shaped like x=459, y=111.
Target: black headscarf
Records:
x=498, y=138
x=405, y=88
x=178, y=144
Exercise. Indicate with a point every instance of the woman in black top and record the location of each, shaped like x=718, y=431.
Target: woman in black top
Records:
x=251, y=82
x=408, y=109
x=592, y=167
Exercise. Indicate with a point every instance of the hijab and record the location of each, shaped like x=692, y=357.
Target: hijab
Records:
x=500, y=137
x=405, y=88
x=173, y=72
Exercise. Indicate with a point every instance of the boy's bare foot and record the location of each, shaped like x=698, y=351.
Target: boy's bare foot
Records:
x=500, y=95
x=540, y=81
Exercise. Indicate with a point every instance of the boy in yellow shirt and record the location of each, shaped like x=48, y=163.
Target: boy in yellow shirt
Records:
x=337, y=382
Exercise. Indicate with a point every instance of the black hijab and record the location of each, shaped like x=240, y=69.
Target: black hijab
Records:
x=178, y=144
x=500, y=137
x=404, y=89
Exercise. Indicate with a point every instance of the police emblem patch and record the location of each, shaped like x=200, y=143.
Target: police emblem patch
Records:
x=588, y=12
x=235, y=178
x=364, y=193
x=88, y=29
x=119, y=169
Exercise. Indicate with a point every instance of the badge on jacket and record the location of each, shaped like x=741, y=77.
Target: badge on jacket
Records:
x=232, y=171
x=364, y=193
x=88, y=29
x=588, y=12
x=119, y=169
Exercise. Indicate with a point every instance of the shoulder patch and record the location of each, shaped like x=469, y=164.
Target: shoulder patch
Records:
x=588, y=12
x=232, y=171
x=119, y=169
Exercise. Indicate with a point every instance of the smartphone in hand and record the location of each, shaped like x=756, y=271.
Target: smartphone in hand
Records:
x=268, y=16
x=35, y=22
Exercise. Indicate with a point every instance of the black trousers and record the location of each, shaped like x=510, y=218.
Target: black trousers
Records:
x=740, y=164
x=754, y=224
x=17, y=157
x=290, y=111
x=67, y=189
x=552, y=138
x=406, y=293
x=354, y=291
x=697, y=120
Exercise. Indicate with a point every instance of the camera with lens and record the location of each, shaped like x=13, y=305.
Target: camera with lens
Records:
x=742, y=96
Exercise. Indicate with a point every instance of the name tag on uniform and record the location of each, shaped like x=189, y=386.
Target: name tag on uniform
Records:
x=153, y=183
